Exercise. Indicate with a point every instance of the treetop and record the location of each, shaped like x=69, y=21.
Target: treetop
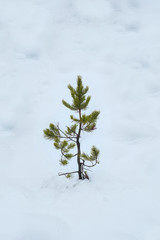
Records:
x=78, y=94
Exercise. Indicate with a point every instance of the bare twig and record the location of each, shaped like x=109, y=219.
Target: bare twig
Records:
x=66, y=136
x=75, y=155
x=61, y=174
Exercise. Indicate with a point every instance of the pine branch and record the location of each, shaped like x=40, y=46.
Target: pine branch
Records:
x=67, y=155
x=68, y=105
x=91, y=165
x=85, y=104
x=72, y=130
x=92, y=158
x=75, y=155
x=66, y=136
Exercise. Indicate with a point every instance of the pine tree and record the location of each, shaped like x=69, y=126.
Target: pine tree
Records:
x=67, y=140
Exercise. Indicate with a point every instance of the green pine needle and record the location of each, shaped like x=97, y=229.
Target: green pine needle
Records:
x=48, y=134
x=71, y=146
x=63, y=162
x=79, y=101
x=69, y=155
x=68, y=176
x=93, y=156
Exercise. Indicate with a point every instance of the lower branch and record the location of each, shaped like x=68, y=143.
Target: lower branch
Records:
x=61, y=174
x=90, y=165
x=85, y=175
x=93, y=164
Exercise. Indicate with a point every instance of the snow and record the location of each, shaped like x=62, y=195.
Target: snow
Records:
x=114, y=45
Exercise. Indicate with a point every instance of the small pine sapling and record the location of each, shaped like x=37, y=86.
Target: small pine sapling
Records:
x=67, y=140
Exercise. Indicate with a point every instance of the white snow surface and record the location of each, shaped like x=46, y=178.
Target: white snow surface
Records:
x=115, y=46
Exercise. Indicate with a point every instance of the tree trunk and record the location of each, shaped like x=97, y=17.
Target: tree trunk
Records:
x=80, y=171
x=80, y=165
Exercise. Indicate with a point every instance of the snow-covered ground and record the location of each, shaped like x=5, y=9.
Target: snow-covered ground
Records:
x=115, y=46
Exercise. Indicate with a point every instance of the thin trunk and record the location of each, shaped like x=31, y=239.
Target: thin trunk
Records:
x=80, y=165
x=78, y=160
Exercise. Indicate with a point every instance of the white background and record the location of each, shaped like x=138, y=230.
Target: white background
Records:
x=115, y=46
